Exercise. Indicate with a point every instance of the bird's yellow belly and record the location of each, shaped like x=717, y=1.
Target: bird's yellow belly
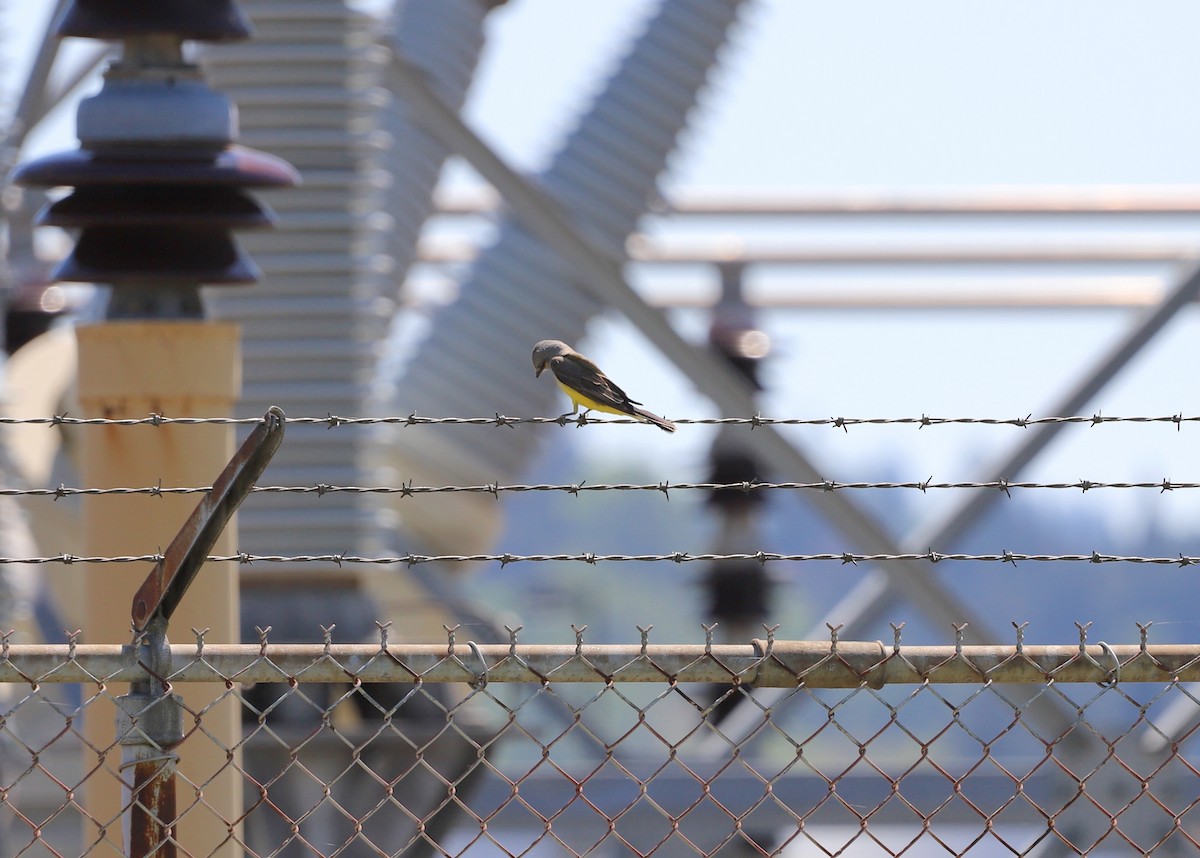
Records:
x=591, y=404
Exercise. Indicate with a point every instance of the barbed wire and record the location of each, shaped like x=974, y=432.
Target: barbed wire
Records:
x=665, y=487
x=333, y=421
x=592, y=558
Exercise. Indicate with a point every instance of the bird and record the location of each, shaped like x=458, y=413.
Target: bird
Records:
x=584, y=382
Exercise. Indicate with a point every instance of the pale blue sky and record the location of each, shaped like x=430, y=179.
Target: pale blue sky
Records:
x=929, y=91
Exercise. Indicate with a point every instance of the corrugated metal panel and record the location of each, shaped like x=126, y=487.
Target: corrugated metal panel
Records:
x=307, y=89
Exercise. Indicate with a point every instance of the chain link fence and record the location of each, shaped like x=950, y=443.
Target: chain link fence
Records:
x=768, y=748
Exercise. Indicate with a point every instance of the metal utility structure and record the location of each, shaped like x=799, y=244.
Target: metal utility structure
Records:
x=734, y=396
x=325, y=50
x=558, y=259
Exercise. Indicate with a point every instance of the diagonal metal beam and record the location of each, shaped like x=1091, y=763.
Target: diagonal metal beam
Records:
x=1135, y=339
x=163, y=589
x=86, y=60
x=865, y=602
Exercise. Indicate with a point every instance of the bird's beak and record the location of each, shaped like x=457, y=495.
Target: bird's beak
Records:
x=537, y=370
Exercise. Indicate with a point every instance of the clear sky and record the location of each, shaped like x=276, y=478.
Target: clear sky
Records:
x=930, y=91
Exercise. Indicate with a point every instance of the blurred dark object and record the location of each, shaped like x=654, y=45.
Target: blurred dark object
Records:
x=739, y=598
x=733, y=333
x=204, y=20
x=739, y=592
x=730, y=464
x=30, y=313
x=32, y=300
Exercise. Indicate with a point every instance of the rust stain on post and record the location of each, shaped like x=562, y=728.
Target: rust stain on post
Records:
x=152, y=811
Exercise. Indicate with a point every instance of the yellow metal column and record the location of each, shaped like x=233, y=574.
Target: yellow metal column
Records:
x=177, y=369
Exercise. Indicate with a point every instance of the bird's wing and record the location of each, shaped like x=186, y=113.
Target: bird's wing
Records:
x=579, y=373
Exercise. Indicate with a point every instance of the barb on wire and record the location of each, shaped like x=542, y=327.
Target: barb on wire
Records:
x=495, y=489
x=332, y=421
x=591, y=558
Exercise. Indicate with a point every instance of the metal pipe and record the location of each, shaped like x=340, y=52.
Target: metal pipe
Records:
x=1034, y=253
x=778, y=664
x=645, y=250
x=886, y=294
x=1035, y=200
x=980, y=200
x=149, y=726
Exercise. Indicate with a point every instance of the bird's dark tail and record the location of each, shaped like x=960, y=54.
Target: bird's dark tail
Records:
x=661, y=422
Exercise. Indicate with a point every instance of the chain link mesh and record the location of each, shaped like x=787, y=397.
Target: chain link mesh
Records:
x=580, y=749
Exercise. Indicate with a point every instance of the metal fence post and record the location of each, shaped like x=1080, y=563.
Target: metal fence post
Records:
x=149, y=718
x=149, y=726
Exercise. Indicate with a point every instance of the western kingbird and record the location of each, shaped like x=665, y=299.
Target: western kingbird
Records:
x=583, y=381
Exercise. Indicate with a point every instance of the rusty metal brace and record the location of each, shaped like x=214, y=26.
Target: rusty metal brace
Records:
x=149, y=717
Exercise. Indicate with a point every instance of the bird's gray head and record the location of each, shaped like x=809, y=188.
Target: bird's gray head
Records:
x=544, y=351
